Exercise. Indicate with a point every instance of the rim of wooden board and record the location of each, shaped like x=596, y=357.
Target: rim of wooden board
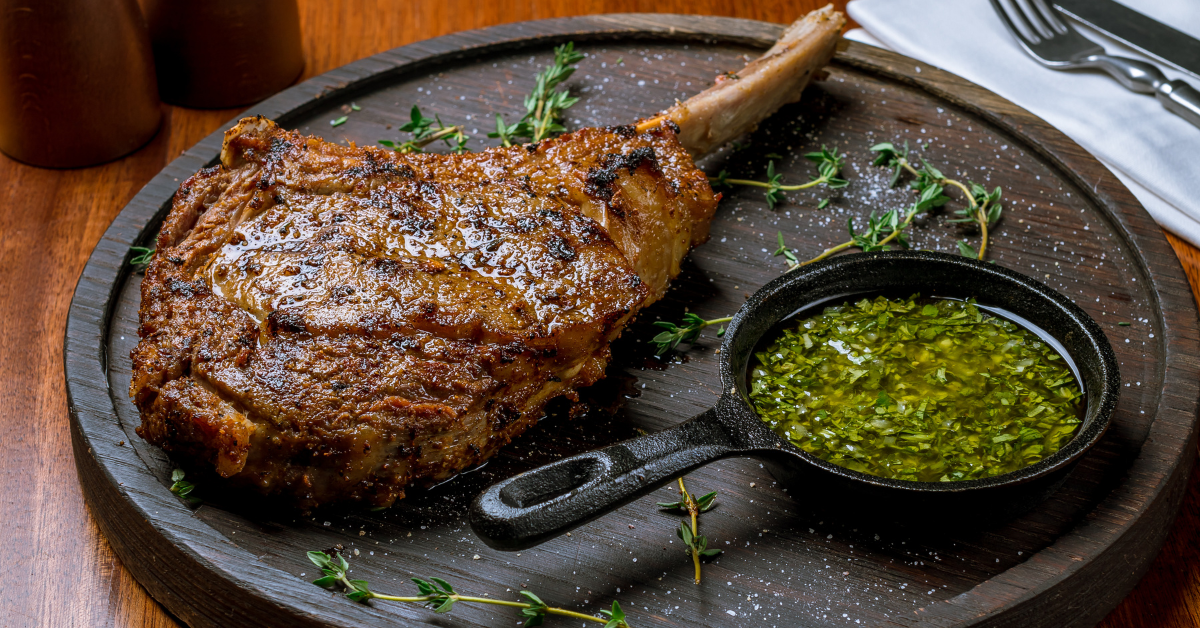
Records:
x=206, y=581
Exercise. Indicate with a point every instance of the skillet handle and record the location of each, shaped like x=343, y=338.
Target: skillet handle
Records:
x=542, y=503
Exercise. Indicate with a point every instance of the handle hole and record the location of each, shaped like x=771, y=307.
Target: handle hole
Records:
x=548, y=483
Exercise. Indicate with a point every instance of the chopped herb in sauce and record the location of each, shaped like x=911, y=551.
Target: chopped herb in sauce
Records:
x=916, y=389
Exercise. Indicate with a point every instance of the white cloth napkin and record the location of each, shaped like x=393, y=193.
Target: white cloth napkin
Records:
x=1151, y=150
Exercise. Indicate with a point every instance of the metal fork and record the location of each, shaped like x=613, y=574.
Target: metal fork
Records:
x=1054, y=43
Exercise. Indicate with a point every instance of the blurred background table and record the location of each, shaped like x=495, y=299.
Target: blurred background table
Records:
x=58, y=570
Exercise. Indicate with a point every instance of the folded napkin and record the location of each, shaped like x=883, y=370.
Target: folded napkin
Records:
x=1151, y=150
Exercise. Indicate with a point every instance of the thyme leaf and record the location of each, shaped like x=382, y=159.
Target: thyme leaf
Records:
x=183, y=489
x=787, y=253
x=142, y=255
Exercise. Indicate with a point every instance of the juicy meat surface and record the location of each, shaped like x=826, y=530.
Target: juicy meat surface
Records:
x=334, y=323
x=330, y=323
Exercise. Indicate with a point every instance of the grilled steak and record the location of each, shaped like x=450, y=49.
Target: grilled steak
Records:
x=334, y=323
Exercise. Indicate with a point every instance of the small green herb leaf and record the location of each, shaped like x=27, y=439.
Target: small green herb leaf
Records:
x=616, y=617
x=142, y=255
x=320, y=559
x=786, y=252
x=181, y=488
x=325, y=581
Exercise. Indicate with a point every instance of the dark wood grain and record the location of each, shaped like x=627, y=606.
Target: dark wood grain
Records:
x=64, y=573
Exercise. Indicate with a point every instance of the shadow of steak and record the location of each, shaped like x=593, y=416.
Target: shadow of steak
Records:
x=333, y=323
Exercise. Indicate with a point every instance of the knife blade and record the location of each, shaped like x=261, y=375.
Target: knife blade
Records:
x=1136, y=30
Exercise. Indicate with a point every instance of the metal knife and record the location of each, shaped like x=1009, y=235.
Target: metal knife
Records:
x=1136, y=30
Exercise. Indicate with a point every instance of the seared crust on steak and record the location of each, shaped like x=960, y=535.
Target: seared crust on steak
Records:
x=330, y=323
x=334, y=323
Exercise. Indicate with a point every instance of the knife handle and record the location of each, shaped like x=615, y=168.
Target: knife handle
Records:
x=1181, y=99
x=1178, y=97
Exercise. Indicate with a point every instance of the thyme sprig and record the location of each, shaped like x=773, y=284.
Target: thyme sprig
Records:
x=181, y=488
x=545, y=105
x=983, y=207
x=425, y=133
x=697, y=545
x=829, y=167
x=884, y=229
x=688, y=331
x=439, y=596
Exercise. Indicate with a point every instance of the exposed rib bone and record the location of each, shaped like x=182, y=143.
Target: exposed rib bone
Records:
x=740, y=101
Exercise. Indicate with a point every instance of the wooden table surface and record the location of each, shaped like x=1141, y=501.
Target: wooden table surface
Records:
x=58, y=570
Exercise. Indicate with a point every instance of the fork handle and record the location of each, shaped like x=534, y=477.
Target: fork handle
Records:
x=1176, y=96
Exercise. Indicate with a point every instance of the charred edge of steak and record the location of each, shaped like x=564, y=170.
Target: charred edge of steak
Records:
x=600, y=180
x=625, y=131
x=187, y=289
x=504, y=415
x=372, y=167
x=286, y=321
x=561, y=248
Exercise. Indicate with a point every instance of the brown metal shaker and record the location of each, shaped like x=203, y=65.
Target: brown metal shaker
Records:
x=77, y=81
x=224, y=53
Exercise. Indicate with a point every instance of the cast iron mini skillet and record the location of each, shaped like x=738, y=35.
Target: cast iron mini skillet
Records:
x=529, y=508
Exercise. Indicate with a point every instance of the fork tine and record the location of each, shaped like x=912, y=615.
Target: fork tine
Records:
x=1031, y=14
x=1051, y=16
x=1027, y=35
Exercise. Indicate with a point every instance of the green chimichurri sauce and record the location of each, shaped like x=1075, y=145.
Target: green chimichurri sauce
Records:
x=916, y=389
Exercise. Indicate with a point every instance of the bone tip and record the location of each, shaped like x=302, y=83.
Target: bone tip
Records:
x=245, y=126
x=825, y=14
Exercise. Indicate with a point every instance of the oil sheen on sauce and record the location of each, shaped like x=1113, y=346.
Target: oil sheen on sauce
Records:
x=916, y=389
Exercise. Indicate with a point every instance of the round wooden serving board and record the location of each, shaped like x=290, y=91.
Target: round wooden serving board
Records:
x=234, y=561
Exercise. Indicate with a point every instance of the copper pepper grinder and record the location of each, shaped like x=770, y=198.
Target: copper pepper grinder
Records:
x=77, y=83
x=224, y=53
